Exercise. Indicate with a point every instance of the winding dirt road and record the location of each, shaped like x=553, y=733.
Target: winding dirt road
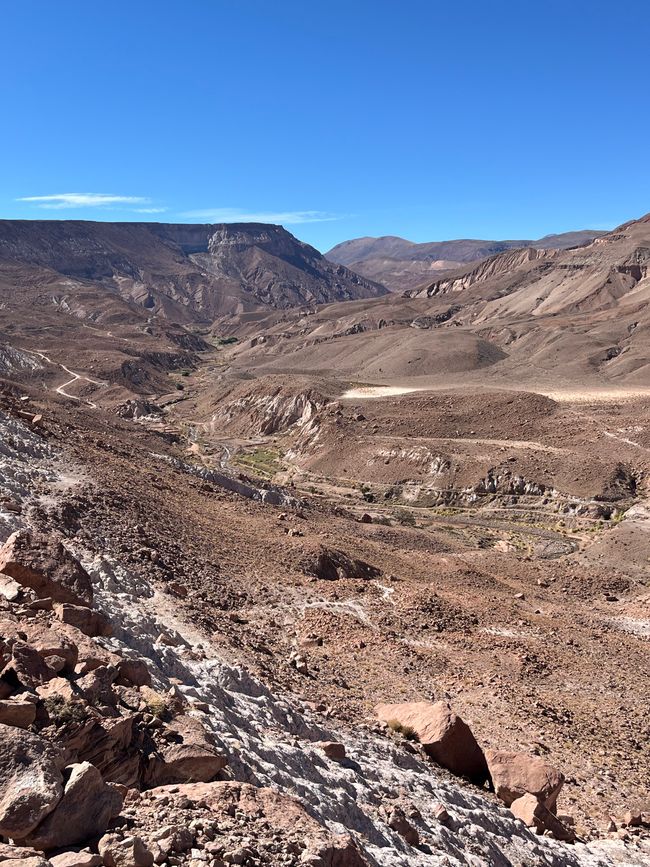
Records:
x=61, y=389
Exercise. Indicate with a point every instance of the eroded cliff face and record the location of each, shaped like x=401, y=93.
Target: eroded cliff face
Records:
x=185, y=272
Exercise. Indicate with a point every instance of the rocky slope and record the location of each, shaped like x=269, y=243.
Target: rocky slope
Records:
x=401, y=265
x=125, y=730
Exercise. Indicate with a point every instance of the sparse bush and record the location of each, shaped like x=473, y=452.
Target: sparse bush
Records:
x=410, y=734
x=156, y=703
x=407, y=732
x=406, y=518
x=62, y=712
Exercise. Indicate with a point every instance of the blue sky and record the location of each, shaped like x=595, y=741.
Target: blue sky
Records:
x=339, y=119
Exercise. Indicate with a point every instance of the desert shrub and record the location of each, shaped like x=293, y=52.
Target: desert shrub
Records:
x=156, y=703
x=407, y=732
x=62, y=712
x=406, y=518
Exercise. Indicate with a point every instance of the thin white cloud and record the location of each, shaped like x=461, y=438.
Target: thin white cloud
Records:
x=82, y=200
x=235, y=215
x=150, y=210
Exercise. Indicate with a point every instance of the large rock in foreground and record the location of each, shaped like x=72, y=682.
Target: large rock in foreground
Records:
x=41, y=563
x=31, y=784
x=187, y=755
x=445, y=737
x=516, y=774
x=87, y=807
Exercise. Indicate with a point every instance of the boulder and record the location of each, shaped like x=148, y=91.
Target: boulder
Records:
x=87, y=807
x=90, y=622
x=31, y=784
x=49, y=644
x=14, y=712
x=445, y=737
x=124, y=851
x=398, y=822
x=111, y=744
x=330, y=564
x=31, y=861
x=332, y=750
x=534, y=814
x=26, y=669
x=185, y=753
x=515, y=774
x=81, y=858
x=133, y=672
x=40, y=562
x=10, y=589
x=97, y=686
x=16, y=853
x=57, y=687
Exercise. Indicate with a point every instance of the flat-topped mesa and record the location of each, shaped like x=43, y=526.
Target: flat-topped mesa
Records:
x=186, y=272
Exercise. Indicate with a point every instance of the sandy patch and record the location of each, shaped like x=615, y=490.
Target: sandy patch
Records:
x=365, y=391
x=594, y=395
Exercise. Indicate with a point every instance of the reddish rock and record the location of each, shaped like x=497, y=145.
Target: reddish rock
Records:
x=49, y=644
x=111, y=744
x=332, y=750
x=31, y=784
x=17, y=713
x=445, y=737
x=124, y=852
x=97, y=686
x=40, y=562
x=534, y=814
x=632, y=820
x=59, y=687
x=84, y=812
x=281, y=812
x=32, y=861
x=515, y=774
x=186, y=754
x=133, y=672
x=16, y=853
x=330, y=565
x=76, y=859
x=25, y=669
x=90, y=622
x=398, y=822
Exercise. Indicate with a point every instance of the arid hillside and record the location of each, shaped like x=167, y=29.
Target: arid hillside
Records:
x=188, y=273
x=401, y=265
x=361, y=583
x=546, y=318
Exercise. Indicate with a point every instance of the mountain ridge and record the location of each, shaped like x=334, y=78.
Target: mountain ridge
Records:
x=401, y=264
x=186, y=271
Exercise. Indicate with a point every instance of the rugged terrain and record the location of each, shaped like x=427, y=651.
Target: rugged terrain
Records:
x=232, y=537
x=400, y=264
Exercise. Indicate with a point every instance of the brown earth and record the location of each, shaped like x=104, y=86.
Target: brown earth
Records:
x=501, y=510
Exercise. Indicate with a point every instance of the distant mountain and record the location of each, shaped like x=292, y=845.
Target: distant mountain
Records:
x=400, y=264
x=190, y=273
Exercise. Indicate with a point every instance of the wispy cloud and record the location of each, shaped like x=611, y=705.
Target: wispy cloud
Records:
x=82, y=200
x=150, y=210
x=235, y=215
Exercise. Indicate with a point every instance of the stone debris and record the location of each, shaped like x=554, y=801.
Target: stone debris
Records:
x=38, y=561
